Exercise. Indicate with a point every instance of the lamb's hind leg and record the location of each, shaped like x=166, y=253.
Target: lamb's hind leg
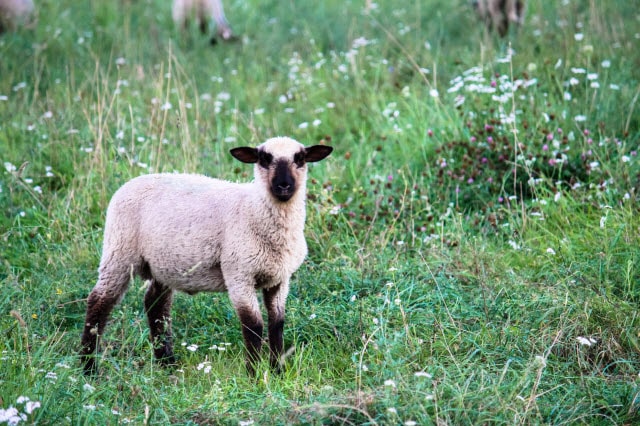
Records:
x=104, y=296
x=157, y=303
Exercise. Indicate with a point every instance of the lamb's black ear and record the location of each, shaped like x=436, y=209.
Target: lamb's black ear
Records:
x=316, y=153
x=245, y=154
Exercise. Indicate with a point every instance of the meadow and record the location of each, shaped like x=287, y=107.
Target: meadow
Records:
x=474, y=239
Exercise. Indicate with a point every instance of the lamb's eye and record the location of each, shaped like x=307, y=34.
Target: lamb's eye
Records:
x=264, y=159
x=298, y=159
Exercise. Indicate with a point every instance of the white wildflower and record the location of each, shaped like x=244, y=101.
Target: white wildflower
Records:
x=586, y=341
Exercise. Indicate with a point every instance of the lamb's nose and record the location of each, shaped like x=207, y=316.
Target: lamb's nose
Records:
x=284, y=186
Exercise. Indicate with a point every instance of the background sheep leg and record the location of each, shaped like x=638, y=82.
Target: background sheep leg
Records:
x=157, y=303
x=223, y=29
x=100, y=303
x=248, y=310
x=274, y=300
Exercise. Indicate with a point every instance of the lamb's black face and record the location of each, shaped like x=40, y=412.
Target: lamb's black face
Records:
x=283, y=182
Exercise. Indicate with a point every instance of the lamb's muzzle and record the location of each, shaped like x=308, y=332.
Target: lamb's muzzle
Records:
x=192, y=233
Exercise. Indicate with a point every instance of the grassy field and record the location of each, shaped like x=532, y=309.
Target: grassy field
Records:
x=474, y=238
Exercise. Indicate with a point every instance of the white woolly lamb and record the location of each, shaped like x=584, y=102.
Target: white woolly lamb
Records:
x=204, y=10
x=193, y=233
x=14, y=13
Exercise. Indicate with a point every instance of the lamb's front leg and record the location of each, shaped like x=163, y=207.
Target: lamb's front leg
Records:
x=245, y=302
x=275, y=299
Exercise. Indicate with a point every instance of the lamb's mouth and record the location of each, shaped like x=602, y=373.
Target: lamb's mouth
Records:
x=282, y=194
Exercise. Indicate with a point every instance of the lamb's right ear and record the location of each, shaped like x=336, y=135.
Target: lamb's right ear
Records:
x=245, y=154
x=316, y=153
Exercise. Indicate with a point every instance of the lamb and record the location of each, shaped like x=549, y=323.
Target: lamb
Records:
x=193, y=233
x=204, y=10
x=499, y=13
x=14, y=13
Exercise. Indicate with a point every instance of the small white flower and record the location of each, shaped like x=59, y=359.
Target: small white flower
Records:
x=88, y=388
x=303, y=125
x=121, y=61
x=312, y=316
x=605, y=64
x=192, y=347
x=392, y=410
x=19, y=86
x=603, y=221
x=551, y=251
x=423, y=374
x=166, y=106
x=89, y=407
x=11, y=416
x=578, y=36
x=586, y=341
x=30, y=406
x=614, y=87
x=434, y=93
x=47, y=114
x=316, y=122
x=557, y=197
x=353, y=298
x=390, y=383
x=580, y=118
x=245, y=422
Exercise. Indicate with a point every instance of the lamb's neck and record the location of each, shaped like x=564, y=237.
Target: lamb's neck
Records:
x=289, y=214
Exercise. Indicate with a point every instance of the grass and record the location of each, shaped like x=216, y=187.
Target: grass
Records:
x=474, y=238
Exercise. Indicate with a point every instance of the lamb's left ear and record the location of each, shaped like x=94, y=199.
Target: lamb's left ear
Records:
x=316, y=153
x=245, y=154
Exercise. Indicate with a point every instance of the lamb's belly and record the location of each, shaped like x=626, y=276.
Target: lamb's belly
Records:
x=191, y=278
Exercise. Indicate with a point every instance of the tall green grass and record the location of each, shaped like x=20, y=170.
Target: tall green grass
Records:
x=474, y=239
